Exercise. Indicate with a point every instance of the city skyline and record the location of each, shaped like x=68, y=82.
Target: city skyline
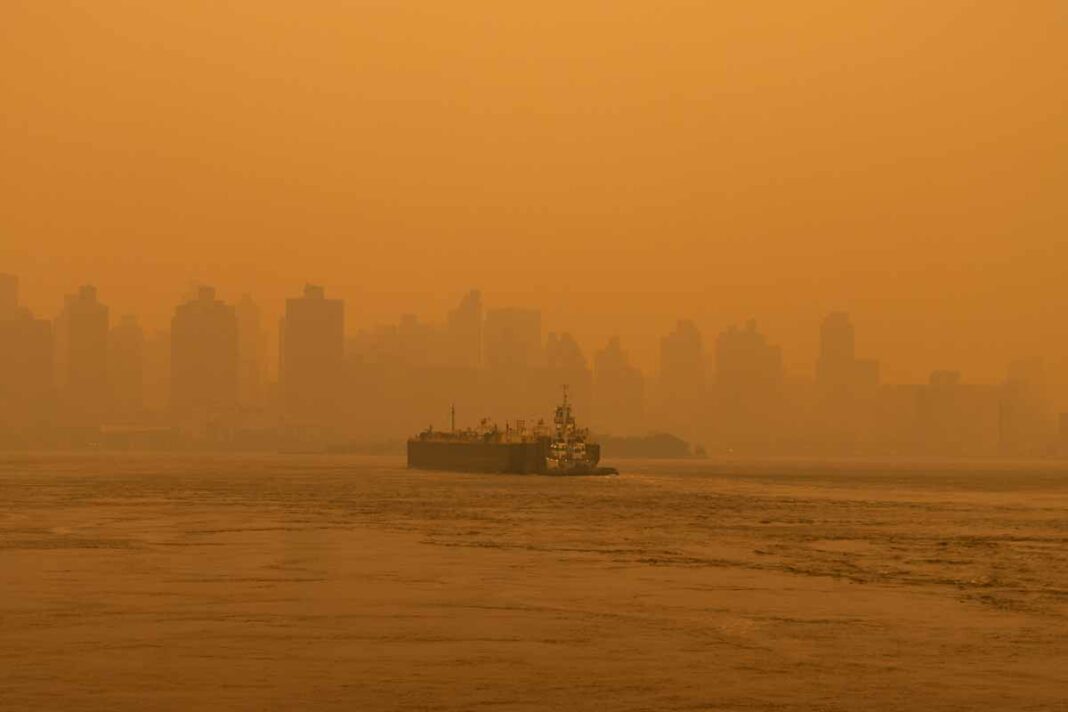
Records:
x=207, y=376
x=808, y=364
x=911, y=359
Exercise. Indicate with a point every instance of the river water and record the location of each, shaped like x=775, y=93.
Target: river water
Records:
x=350, y=583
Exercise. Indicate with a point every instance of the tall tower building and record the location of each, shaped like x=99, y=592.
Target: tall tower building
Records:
x=463, y=331
x=745, y=362
x=682, y=390
x=566, y=365
x=847, y=389
x=26, y=362
x=204, y=358
x=748, y=395
x=562, y=353
x=82, y=357
x=311, y=357
x=837, y=350
x=838, y=370
x=682, y=364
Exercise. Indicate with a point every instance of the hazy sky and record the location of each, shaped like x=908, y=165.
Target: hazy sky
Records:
x=619, y=163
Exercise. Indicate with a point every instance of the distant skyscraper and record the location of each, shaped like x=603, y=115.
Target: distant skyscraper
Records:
x=562, y=353
x=1027, y=422
x=26, y=362
x=463, y=332
x=682, y=364
x=204, y=357
x=618, y=391
x=512, y=338
x=748, y=394
x=838, y=370
x=82, y=354
x=846, y=390
x=682, y=401
x=745, y=361
x=126, y=368
x=837, y=348
x=565, y=365
x=311, y=357
x=955, y=418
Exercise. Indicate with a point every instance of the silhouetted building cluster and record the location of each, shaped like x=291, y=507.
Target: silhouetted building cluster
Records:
x=204, y=360
x=84, y=379
x=846, y=388
x=81, y=333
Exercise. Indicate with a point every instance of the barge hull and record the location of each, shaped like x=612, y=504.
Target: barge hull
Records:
x=524, y=458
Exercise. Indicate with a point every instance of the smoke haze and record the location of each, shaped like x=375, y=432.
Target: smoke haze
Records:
x=619, y=164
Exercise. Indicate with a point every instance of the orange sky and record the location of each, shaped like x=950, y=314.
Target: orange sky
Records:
x=619, y=163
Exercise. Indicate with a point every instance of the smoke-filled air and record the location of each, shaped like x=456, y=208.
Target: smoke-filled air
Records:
x=583, y=355
x=809, y=227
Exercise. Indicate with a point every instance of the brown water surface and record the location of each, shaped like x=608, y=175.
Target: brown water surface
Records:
x=303, y=582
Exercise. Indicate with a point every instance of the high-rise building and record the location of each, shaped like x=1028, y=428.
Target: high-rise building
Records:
x=955, y=418
x=846, y=390
x=748, y=403
x=837, y=348
x=82, y=357
x=563, y=353
x=682, y=364
x=838, y=370
x=566, y=366
x=1027, y=421
x=618, y=392
x=512, y=338
x=311, y=357
x=682, y=397
x=26, y=362
x=204, y=358
x=463, y=332
x=745, y=361
x=126, y=369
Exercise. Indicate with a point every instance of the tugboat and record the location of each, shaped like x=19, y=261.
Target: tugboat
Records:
x=567, y=450
x=571, y=452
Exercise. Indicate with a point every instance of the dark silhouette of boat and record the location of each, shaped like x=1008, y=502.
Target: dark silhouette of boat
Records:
x=565, y=449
